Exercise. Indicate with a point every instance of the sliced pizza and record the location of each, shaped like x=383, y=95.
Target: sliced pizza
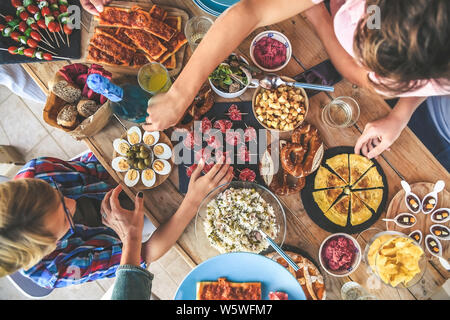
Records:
x=113, y=47
x=326, y=198
x=158, y=12
x=358, y=166
x=371, y=179
x=226, y=290
x=359, y=213
x=325, y=179
x=339, y=164
x=338, y=213
x=146, y=42
x=372, y=198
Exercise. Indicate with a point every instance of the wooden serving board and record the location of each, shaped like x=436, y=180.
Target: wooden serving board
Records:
x=180, y=55
x=159, y=178
x=424, y=222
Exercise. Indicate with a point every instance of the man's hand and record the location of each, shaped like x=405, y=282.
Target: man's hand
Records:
x=378, y=136
x=94, y=6
x=200, y=186
x=127, y=224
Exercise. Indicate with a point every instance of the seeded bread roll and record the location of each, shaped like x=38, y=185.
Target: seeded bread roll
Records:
x=67, y=117
x=69, y=92
x=87, y=108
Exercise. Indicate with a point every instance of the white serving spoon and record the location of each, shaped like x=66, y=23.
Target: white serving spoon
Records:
x=403, y=225
x=438, y=211
x=442, y=260
x=438, y=187
x=420, y=236
x=447, y=237
x=408, y=194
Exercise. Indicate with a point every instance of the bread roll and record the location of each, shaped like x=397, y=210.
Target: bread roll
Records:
x=69, y=92
x=67, y=117
x=87, y=108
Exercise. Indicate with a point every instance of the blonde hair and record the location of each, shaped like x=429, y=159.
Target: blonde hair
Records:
x=23, y=237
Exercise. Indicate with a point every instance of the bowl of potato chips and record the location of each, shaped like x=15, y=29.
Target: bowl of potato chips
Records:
x=395, y=258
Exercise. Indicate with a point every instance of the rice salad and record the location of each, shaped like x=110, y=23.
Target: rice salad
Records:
x=232, y=218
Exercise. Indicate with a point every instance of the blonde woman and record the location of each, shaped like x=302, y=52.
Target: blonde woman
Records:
x=408, y=57
x=58, y=221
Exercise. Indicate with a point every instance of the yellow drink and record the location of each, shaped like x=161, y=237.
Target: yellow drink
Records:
x=154, y=78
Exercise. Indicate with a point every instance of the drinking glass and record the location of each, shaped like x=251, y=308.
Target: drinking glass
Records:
x=154, y=78
x=354, y=291
x=342, y=112
x=196, y=28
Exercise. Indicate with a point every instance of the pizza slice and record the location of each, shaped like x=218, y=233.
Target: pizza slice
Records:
x=359, y=213
x=146, y=42
x=174, y=22
x=325, y=179
x=98, y=56
x=338, y=213
x=326, y=198
x=340, y=165
x=113, y=47
x=371, y=179
x=226, y=290
x=372, y=198
x=358, y=166
x=175, y=44
x=140, y=59
x=158, y=12
x=171, y=63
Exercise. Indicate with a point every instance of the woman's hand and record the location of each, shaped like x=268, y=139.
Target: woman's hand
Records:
x=378, y=136
x=127, y=224
x=200, y=186
x=94, y=6
x=165, y=110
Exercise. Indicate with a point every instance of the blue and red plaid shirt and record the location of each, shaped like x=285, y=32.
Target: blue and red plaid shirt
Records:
x=90, y=253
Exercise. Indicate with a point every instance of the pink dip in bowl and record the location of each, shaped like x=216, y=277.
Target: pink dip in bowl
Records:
x=339, y=253
x=269, y=53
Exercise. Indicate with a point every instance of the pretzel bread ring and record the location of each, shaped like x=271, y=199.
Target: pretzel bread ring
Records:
x=291, y=157
x=308, y=137
x=283, y=188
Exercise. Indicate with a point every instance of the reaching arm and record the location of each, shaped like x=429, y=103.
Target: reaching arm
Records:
x=229, y=30
x=321, y=19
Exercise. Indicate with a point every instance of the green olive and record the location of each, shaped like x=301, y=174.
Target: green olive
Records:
x=141, y=165
x=143, y=155
x=147, y=162
x=142, y=149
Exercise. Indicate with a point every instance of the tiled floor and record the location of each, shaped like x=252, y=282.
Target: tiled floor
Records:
x=22, y=126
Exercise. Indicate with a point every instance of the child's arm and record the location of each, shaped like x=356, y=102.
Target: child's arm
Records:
x=227, y=33
x=379, y=135
x=168, y=233
x=321, y=19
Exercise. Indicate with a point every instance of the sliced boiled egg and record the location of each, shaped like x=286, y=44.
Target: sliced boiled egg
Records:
x=162, y=151
x=131, y=178
x=120, y=164
x=134, y=135
x=148, y=177
x=121, y=146
x=151, y=138
x=162, y=166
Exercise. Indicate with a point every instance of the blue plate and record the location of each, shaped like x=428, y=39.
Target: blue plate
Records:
x=211, y=7
x=242, y=267
x=227, y=3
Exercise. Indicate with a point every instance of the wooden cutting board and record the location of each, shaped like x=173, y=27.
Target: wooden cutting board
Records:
x=424, y=222
x=147, y=6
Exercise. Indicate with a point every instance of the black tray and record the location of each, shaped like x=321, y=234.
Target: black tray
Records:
x=316, y=215
x=218, y=113
x=74, y=52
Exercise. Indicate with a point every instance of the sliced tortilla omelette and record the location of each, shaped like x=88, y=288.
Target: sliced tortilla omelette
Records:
x=325, y=198
x=359, y=212
x=338, y=213
x=372, y=198
x=372, y=179
x=358, y=166
x=326, y=179
x=340, y=165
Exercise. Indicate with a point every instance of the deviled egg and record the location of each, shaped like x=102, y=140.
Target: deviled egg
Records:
x=131, y=178
x=148, y=178
x=134, y=135
x=162, y=167
x=120, y=164
x=151, y=138
x=162, y=151
x=121, y=146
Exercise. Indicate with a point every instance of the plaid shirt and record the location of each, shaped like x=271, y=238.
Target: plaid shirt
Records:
x=90, y=253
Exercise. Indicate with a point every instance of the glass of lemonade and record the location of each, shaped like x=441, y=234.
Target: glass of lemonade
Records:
x=342, y=112
x=196, y=28
x=154, y=78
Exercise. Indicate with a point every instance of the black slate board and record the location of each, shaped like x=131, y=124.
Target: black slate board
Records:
x=218, y=112
x=74, y=52
x=316, y=215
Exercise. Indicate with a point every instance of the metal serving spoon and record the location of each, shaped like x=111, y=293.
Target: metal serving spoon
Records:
x=273, y=81
x=279, y=250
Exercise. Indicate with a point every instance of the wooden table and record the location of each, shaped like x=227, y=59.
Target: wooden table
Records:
x=408, y=159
